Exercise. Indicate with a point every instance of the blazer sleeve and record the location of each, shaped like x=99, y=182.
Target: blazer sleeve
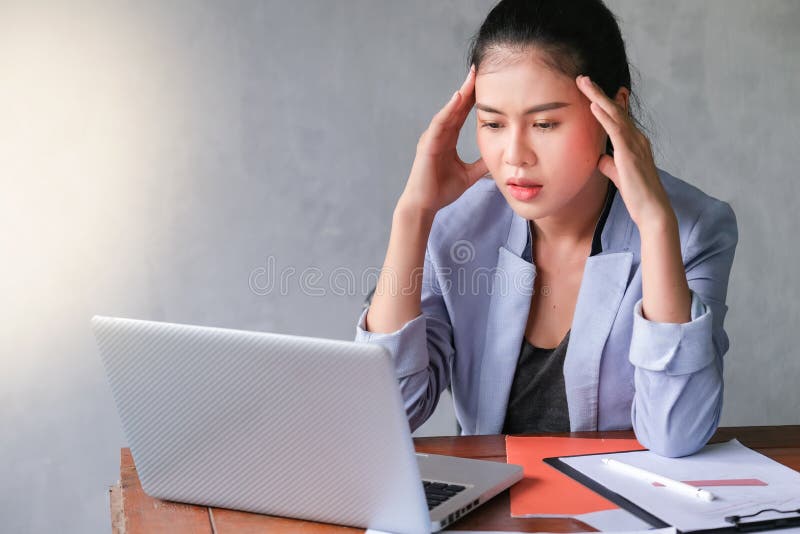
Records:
x=678, y=367
x=422, y=350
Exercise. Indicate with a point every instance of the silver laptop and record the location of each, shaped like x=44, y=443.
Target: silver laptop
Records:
x=281, y=425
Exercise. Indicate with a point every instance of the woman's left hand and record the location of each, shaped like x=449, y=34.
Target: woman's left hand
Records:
x=632, y=168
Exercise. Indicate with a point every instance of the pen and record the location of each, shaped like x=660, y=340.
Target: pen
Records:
x=674, y=485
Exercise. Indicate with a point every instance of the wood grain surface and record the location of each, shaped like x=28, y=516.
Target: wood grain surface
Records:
x=133, y=512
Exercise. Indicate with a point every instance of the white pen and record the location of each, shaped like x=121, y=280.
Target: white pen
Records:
x=674, y=485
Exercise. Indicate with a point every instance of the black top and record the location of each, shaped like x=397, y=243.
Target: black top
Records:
x=537, y=401
x=538, y=398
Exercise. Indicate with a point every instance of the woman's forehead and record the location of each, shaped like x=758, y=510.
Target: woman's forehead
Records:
x=523, y=80
x=501, y=57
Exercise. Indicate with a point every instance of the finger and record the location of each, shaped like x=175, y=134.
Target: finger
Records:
x=440, y=122
x=607, y=166
x=447, y=123
x=597, y=95
x=467, y=92
x=612, y=127
x=476, y=170
x=465, y=98
x=467, y=86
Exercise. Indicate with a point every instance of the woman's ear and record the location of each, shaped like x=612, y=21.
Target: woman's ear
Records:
x=623, y=94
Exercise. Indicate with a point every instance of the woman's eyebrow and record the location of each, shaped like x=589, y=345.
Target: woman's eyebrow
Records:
x=534, y=109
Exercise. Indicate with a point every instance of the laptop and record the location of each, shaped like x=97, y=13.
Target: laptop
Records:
x=281, y=425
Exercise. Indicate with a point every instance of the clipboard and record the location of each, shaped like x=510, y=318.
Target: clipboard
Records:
x=603, y=491
x=745, y=523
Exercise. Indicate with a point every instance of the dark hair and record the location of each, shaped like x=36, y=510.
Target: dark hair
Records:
x=575, y=37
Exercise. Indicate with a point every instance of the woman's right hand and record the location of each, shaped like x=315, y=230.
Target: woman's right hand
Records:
x=438, y=176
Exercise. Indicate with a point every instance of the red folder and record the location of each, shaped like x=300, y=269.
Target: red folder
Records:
x=547, y=492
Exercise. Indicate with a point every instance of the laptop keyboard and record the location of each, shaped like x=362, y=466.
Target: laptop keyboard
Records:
x=438, y=492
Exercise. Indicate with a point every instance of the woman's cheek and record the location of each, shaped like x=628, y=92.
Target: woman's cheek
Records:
x=490, y=152
x=581, y=150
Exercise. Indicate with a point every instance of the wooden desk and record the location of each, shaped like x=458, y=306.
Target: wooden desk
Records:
x=133, y=512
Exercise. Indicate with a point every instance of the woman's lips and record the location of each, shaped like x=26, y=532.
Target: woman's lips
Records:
x=524, y=193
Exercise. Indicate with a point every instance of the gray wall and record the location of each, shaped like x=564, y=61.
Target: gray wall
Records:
x=154, y=156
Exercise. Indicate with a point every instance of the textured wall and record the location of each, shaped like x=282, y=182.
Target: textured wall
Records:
x=160, y=159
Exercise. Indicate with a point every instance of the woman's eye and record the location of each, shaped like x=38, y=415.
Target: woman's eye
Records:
x=542, y=126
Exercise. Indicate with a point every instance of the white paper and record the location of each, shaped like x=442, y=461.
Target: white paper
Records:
x=723, y=461
x=613, y=520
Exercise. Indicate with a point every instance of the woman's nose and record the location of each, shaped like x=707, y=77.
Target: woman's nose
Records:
x=518, y=152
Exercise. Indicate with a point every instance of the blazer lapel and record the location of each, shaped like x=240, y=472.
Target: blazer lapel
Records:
x=605, y=279
x=604, y=283
x=508, y=314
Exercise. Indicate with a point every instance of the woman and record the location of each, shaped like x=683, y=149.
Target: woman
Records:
x=577, y=286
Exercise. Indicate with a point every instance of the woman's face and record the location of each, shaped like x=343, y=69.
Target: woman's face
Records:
x=534, y=126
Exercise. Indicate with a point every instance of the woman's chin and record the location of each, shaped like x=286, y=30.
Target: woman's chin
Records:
x=527, y=210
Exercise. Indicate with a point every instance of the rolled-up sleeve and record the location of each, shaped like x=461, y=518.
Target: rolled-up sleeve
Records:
x=422, y=350
x=678, y=367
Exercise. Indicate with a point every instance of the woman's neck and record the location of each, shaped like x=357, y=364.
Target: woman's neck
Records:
x=574, y=225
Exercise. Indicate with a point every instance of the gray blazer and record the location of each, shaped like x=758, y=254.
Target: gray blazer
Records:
x=621, y=370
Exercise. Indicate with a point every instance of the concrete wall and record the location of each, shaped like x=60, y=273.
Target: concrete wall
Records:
x=155, y=156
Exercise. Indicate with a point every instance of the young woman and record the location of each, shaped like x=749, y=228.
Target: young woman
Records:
x=561, y=282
